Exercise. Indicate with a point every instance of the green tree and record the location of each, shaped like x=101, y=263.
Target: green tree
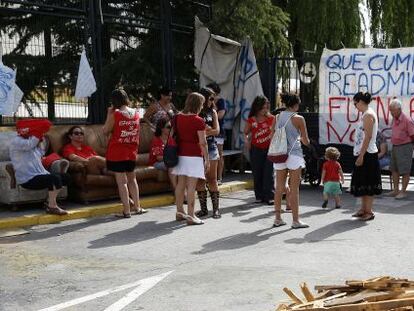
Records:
x=391, y=22
x=264, y=22
x=330, y=23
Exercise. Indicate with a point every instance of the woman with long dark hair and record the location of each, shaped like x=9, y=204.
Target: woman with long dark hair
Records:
x=257, y=136
x=366, y=176
x=122, y=123
x=209, y=115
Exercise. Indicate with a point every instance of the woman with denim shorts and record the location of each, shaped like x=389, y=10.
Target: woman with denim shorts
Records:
x=209, y=115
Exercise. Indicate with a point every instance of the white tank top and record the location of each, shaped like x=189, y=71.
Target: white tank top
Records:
x=360, y=134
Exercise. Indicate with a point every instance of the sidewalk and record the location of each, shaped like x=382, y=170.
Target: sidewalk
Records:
x=31, y=217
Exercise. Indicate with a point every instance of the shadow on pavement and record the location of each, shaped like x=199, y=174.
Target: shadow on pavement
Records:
x=143, y=231
x=56, y=231
x=328, y=231
x=238, y=241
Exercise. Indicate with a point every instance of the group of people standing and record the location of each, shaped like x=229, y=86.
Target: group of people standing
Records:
x=198, y=133
x=199, y=138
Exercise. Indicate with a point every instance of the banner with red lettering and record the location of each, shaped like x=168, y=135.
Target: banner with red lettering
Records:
x=385, y=73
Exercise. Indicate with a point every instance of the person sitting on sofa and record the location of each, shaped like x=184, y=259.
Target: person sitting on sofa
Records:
x=162, y=133
x=25, y=154
x=75, y=150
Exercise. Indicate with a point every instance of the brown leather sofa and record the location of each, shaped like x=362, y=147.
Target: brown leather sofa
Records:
x=88, y=187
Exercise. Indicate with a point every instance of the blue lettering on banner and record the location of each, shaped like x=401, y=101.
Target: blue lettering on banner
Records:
x=5, y=88
x=332, y=81
x=377, y=73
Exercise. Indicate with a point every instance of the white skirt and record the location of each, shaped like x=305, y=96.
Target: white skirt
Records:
x=190, y=167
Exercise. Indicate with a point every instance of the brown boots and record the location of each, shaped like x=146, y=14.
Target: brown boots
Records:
x=215, y=198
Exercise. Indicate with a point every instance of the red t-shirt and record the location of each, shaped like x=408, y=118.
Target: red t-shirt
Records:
x=261, y=131
x=331, y=169
x=123, y=145
x=157, y=149
x=187, y=128
x=84, y=151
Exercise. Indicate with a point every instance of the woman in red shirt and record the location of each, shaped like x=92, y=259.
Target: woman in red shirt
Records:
x=74, y=149
x=258, y=133
x=122, y=123
x=193, y=160
x=161, y=135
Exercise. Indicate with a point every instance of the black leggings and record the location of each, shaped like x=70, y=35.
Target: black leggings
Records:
x=50, y=181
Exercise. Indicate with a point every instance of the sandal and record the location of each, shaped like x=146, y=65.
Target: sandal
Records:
x=358, y=214
x=367, y=217
x=56, y=211
x=123, y=215
x=139, y=211
x=179, y=216
x=194, y=221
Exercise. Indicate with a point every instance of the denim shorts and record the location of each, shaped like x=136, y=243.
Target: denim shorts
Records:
x=213, y=153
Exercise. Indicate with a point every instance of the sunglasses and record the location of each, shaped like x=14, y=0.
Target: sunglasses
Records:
x=211, y=98
x=78, y=133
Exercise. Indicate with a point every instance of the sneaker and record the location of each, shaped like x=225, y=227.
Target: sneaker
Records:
x=324, y=204
x=219, y=182
x=299, y=225
x=391, y=194
x=278, y=223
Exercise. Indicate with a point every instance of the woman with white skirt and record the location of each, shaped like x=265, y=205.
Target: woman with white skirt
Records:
x=193, y=158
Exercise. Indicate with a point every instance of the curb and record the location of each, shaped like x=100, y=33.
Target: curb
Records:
x=106, y=209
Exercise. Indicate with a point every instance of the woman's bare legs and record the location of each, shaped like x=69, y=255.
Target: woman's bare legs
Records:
x=122, y=182
x=179, y=193
x=295, y=176
x=191, y=183
x=281, y=176
x=133, y=190
x=220, y=165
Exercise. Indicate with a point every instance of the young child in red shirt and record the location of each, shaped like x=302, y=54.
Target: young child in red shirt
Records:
x=332, y=177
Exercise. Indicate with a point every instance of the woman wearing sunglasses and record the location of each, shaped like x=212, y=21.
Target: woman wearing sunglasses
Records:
x=75, y=149
x=209, y=115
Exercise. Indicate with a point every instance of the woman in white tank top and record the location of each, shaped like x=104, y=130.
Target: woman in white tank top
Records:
x=366, y=176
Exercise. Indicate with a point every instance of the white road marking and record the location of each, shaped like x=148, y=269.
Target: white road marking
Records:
x=141, y=287
x=146, y=285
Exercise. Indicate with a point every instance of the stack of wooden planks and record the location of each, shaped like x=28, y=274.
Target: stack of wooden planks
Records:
x=382, y=293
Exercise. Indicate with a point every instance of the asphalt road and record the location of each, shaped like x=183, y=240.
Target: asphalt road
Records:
x=236, y=263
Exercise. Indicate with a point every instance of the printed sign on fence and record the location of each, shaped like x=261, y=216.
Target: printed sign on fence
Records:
x=385, y=73
x=7, y=89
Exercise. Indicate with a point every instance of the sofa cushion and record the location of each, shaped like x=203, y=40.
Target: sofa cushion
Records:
x=5, y=138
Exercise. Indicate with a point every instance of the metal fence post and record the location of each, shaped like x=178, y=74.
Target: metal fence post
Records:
x=167, y=45
x=97, y=106
x=49, y=77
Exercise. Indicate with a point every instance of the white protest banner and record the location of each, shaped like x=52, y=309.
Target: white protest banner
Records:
x=385, y=73
x=7, y=89
x=248, y=85
x=86, y=84
x=215, y=58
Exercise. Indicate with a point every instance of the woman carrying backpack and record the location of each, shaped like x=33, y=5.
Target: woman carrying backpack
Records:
x=296, y=132
x=257, y=135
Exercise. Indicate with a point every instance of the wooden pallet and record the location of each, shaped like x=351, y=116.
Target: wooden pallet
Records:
x=377, y=294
